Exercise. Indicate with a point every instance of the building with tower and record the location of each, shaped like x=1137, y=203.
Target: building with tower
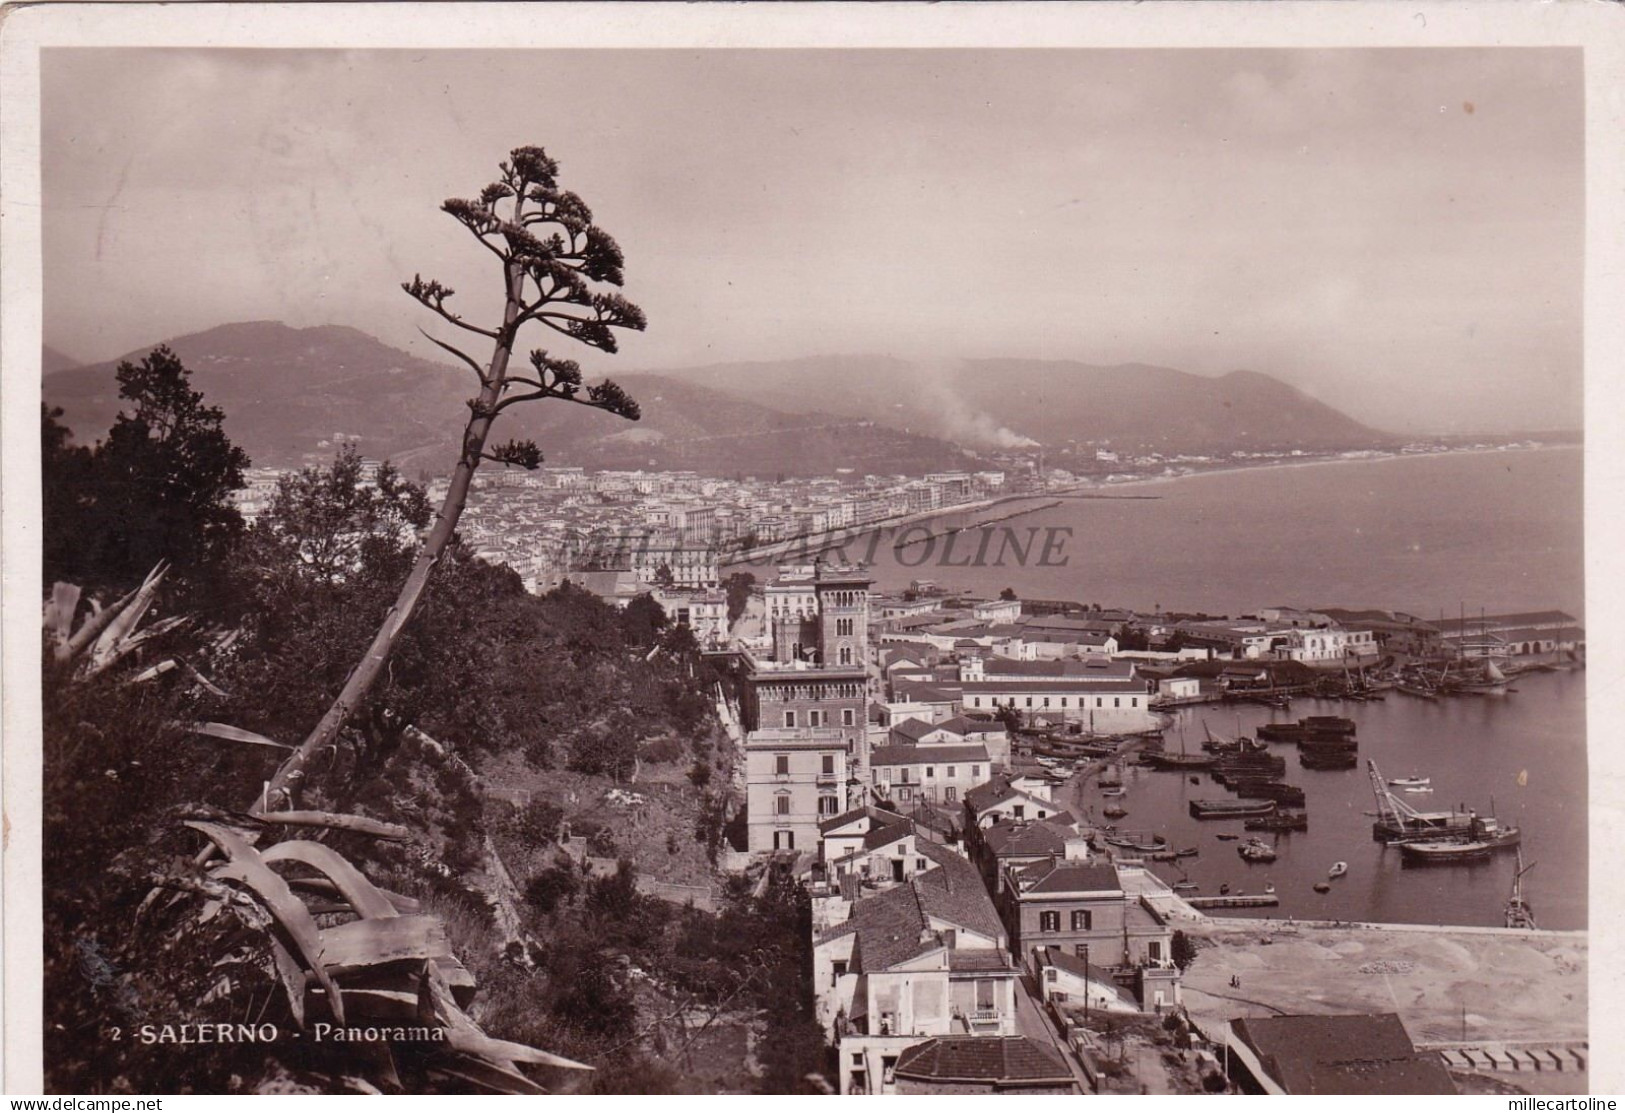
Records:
x=805, y=705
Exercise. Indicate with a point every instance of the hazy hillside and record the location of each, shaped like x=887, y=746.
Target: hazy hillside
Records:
x=53, y=360
x=1012, y=403
x=286, y=391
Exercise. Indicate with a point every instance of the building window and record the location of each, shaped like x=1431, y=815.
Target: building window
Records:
x=848, y=717
x=950, y=771
x=1153, y=950
x=1117, y=701
x=1029, y=701
x=950, y=795
x=815, y=718
x=781, y=764
x=829, y=764
x=1019, y=811
x=829, y=805
x=976, y=772
x=1046, y=701
x=789, y=718
x=1082, y=920
x=976, y=701
x=930, y=771
x=846, y=655
x=1049, y=921
x=781, y=804
x=838, y=968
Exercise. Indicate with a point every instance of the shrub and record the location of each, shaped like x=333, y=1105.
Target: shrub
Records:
x=552, y=885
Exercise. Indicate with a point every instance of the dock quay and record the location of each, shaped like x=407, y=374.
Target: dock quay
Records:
x=1235, y=900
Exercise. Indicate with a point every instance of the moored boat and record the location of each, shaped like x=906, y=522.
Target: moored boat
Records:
x=1230, y=809
x=1519, y=912
x=1338, y=869
x=1409, y=782
x=1256, y=850
x=1321, y=887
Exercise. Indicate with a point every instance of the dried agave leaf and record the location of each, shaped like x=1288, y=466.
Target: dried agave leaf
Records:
x=366, y=898
x=246, y=866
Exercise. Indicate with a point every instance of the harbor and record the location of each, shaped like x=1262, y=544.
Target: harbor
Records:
x=1517, y=759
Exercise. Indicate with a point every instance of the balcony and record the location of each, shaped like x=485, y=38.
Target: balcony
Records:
x=829, y=778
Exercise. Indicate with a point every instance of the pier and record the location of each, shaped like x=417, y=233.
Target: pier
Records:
x=1235, y=900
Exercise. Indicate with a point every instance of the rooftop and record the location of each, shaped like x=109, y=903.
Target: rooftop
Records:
x=926, y=755
x=1358, y=1054
x=1054, y=877
x=993, y=1060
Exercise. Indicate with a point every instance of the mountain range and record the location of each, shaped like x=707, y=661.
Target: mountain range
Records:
x=289, y=394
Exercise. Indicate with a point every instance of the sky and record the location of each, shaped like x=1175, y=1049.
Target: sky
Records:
x=1400, y=233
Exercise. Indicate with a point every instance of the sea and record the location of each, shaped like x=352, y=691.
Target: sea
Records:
x=1436, y=536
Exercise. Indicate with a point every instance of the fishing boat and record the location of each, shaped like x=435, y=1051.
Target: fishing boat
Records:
x=1321, y=887
x=1224, y=888
x=1118, y=791
x=1484, y=838
x=1444, y=852
x=1186, y=886
x=1230, y=809
x=1409, y=782
x=1161, y=759
x=1269, y=887
x=1519, y=912
x=1419, y=790
x=1338, y=869
x=1188, y=852
x=1227, y=837
x=1256, y=850
x=1114, y=812
x=1280, y=821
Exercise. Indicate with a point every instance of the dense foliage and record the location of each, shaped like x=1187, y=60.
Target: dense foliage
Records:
x=485, y=671
x=158, y=488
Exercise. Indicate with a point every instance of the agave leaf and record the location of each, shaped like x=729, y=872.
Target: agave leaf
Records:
x=236, y=734
x=107, y=648
x=245, y=865
x=155, y=671
x=487, y=1076
x=465, y=1036
x=406, y=906
x=294, y=982
x=92, y=627
x=366, y=898
x=362, y=944
x=357, y=823
x=476, y=1042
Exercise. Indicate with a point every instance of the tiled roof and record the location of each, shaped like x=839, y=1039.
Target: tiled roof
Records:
x=1358, y=1054
x=887, y=834
x=924, y=693
x=953, y=892
x=1001, y=667
x=1023, y=840
x=990, y=958
x=914, y=729
x=989, y=1059
x=1055, y=876
x=926, y=755
x=878, y=815
x=1072, y=964
x=1065, y=684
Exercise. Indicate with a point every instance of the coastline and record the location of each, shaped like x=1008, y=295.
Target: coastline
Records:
x=809, y=545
